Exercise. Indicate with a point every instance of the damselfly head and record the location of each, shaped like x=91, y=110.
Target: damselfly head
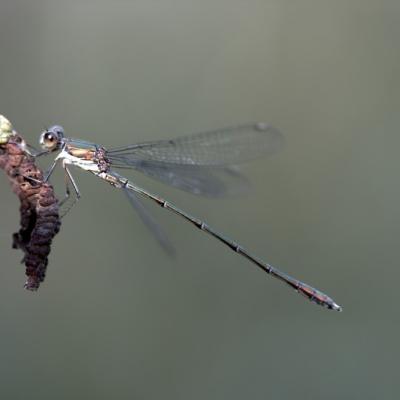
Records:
x=51, y=138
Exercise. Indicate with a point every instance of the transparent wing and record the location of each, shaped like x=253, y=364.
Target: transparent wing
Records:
x=197, y=180
x=227, y=146
x=201, y=163
x=150, y=222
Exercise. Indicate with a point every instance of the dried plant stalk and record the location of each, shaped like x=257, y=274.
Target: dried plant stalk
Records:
x=40, y=220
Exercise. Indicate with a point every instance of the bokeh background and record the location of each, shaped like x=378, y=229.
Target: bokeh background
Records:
x=118, y=319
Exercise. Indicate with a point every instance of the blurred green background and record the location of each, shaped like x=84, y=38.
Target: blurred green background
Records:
x=118, y=319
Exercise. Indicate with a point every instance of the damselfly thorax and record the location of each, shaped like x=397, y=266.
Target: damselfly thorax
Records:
x=85, y=155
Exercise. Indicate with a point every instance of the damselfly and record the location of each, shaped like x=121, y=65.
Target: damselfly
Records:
x=195, y=163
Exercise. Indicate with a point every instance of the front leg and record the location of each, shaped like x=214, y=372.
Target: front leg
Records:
x=32, y=151
x=50, y=171
x=69, y=179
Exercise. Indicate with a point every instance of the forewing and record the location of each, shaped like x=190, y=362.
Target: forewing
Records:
x=201, y=163
x=223, y=147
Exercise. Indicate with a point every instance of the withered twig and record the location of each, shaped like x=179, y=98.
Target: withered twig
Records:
x=40, y=220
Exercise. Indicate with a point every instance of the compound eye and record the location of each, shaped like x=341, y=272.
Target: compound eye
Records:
x=49, y=137
x=49, y=140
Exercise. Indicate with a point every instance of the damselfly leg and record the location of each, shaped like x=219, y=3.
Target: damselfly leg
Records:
x=69, y=179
